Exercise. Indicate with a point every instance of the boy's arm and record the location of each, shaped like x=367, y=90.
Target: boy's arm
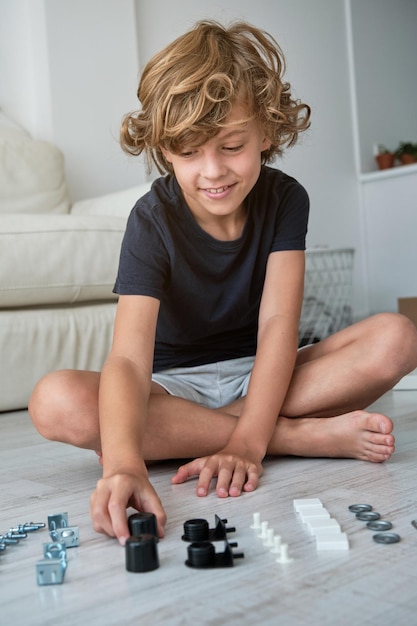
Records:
x=123, y=400
x=238, y=464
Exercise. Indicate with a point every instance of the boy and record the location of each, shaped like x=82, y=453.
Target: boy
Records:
x=204, y=362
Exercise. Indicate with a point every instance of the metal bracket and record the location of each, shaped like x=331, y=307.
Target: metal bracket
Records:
x=51, y=569
x=68, y=536
x=60, y=531
x=59, y=520
x=54, y=550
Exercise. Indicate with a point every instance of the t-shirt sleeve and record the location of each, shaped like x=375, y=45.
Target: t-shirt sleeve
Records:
x=143, y=267
x=292, y=218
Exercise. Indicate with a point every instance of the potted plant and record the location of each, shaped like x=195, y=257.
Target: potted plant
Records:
x=406, y=152
x=385, y=158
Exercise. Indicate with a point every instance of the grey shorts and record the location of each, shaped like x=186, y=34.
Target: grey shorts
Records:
x=213, y=385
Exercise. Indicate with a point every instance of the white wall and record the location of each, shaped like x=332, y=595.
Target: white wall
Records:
x=385, y=51
x=69, y=71
x=390, y=215
x=16, y=61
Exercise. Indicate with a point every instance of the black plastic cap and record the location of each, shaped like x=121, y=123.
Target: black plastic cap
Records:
x=143, y=524
x=142, y=553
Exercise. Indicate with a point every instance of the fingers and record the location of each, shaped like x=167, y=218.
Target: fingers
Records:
x=193, y=468
x=108, y=513
x=111, y=498
x=152, y=504
x=234, y=474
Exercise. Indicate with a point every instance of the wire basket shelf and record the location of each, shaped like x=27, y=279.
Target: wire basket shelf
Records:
x=328, y=289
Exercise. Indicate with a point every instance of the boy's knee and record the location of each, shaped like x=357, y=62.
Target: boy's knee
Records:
x=45, y=403
x=402, y=331
x=408, y=333
x=398, y=337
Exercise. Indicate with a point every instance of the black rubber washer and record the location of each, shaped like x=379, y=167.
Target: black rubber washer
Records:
x=357, y=508
x=379, y=524
x=368, y=516
x=386, y=538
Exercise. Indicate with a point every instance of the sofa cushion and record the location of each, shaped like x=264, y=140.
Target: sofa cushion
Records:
x=118, y=203
x=58, y=259
x=32, y=175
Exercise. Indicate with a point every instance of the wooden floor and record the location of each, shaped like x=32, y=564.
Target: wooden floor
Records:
x=371, y=584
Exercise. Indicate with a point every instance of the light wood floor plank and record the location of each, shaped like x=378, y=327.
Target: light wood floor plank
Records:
x=370, y=584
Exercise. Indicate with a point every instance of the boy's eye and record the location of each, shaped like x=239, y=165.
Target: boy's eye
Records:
x=233, y=148
x=187, y=153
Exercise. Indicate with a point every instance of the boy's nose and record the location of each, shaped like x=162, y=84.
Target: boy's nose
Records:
x=213, y=167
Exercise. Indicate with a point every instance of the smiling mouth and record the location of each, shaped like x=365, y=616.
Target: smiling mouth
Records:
x=218, y=189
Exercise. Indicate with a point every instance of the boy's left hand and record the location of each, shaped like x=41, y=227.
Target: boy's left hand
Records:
x=235, y=472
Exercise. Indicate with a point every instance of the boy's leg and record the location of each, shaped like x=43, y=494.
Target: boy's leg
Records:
x=352, y=368
x=333, y=382
x=181, y=429
x=333, y=379
x=64, y=407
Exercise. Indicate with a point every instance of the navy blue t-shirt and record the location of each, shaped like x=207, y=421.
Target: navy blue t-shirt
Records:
x=209, y=290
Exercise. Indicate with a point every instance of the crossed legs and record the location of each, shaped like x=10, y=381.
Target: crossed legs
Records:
x=333, y=382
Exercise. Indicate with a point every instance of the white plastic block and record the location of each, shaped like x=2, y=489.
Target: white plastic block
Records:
x=330, y=525
x=324, y=534
x=314, y=512
x=336, y=541
x=306, y=502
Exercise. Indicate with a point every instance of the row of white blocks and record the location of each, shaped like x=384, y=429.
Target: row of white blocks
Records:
x=321, y=525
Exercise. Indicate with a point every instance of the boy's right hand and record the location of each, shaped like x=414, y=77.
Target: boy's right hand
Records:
x=114, y=494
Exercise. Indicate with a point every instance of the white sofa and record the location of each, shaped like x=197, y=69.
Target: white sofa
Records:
x=58, y=263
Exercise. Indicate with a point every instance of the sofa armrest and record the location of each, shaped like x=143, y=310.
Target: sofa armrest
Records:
x=117, y=204
x=58, y=259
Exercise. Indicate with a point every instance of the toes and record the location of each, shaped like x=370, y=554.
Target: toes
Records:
x=378, y=452
x=380, y=423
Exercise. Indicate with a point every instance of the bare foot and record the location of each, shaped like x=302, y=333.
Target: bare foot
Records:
x=357, y=435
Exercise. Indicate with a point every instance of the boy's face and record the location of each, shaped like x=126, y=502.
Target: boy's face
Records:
x=216, y=177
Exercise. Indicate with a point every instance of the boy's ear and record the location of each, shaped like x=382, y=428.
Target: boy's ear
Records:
x=166, y=154
x=266, y=144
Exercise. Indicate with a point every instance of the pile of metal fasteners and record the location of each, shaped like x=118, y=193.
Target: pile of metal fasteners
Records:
x=51, y=569
x=13, y=536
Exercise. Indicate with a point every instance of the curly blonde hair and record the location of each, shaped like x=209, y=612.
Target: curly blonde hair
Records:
x=187, y=90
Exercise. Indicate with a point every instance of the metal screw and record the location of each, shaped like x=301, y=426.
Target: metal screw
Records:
x=16, y=535
x=28, y=527
x=7, y=540
x=13, y=535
